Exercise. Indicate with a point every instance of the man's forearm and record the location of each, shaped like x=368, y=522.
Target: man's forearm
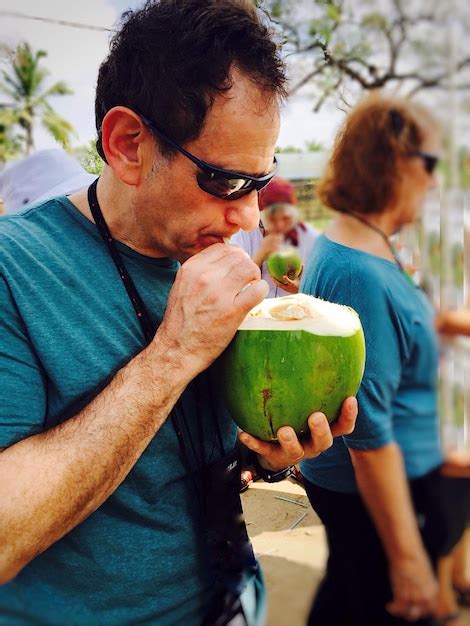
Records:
x=52, y=481
x=382, y=482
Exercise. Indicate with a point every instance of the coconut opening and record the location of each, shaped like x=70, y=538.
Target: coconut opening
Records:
x=303, y=312
x=286, y=250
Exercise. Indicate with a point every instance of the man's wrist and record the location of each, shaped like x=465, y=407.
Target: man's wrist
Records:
x=172, y=357
x=269, y=475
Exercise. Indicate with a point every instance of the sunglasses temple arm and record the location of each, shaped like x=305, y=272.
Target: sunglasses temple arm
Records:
x=203, y=166
x=172, y=143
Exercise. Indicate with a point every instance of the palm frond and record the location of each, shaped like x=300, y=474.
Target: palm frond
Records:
x=58, y=89
x=7, y=91
x=58, y=127
x=14, y=84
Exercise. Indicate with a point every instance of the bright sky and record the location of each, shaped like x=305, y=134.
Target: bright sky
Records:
x=74, y=55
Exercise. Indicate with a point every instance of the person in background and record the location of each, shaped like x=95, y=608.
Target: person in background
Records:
x=118, y=475
x=43, y=175
x=454, y=586
x=377, y=490
x=279, y=225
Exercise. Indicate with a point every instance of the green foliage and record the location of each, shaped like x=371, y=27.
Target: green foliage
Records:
x=24, y=85
x=375, y=21
x=321, y=29
x=276, y=10
x=11, y=144
x=464, y=169
x=434, y=252
x=458, y=401
x=310, y=146
x=89, y=158
x=457, y=264
x=314, y=146
x=288, y=150
x=333, y=12
x=58, y=127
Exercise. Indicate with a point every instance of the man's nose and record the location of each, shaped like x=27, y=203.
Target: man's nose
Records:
x=244, y=212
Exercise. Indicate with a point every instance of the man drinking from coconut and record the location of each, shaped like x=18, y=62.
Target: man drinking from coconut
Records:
x=118, y=484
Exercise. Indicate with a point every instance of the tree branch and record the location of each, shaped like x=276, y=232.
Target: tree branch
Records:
x=307, y=78
x=326, y=94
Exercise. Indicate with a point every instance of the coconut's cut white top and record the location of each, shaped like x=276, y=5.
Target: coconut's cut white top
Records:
x=288, y=251
x=303, y=312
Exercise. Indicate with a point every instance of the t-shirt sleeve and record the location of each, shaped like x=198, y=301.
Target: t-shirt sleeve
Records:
x=22, y=380
x=364, y=291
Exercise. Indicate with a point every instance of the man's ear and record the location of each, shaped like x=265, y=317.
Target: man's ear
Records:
x=125, y=141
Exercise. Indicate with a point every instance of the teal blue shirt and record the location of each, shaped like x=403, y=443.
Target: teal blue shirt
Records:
x=398, y=395
x=66, y=326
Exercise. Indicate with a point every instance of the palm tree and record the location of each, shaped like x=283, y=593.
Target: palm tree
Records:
x=11, y=144
x=24, y=85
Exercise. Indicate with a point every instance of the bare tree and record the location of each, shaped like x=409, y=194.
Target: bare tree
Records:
x=340, y=47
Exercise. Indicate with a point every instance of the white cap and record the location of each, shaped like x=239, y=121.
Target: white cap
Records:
x=43, y=175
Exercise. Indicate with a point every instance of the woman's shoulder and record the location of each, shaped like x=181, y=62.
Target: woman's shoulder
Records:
x=336, y=256
x=355, y=276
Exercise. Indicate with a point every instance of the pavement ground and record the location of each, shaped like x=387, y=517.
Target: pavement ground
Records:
x=289, y=541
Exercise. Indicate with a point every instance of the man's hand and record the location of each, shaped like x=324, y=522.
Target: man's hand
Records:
x=212, y=294
x=289, y=450
x=414, y=589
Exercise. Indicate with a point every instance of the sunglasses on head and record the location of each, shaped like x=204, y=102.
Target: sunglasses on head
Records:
x=430, y=161
x=224, y=184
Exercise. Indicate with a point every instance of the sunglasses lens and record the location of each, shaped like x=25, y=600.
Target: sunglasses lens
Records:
x=430, y=163
x=225, y=187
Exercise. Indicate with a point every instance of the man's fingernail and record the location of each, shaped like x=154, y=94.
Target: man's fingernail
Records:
x=287, y=436
x=318, y=419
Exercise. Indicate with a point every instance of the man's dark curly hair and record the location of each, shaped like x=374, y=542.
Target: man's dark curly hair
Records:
x=172, y=57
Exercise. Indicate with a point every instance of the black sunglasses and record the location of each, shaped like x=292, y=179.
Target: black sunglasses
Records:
x=430, y=160
x=216, y=181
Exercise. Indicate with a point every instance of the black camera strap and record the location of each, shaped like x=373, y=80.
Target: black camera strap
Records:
x=178, y=416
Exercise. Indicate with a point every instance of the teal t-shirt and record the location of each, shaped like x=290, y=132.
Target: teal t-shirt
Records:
x=398, y=395
x=66, y=326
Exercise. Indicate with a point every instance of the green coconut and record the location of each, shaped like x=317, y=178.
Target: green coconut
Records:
x=292, y=356
x=285, y=262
